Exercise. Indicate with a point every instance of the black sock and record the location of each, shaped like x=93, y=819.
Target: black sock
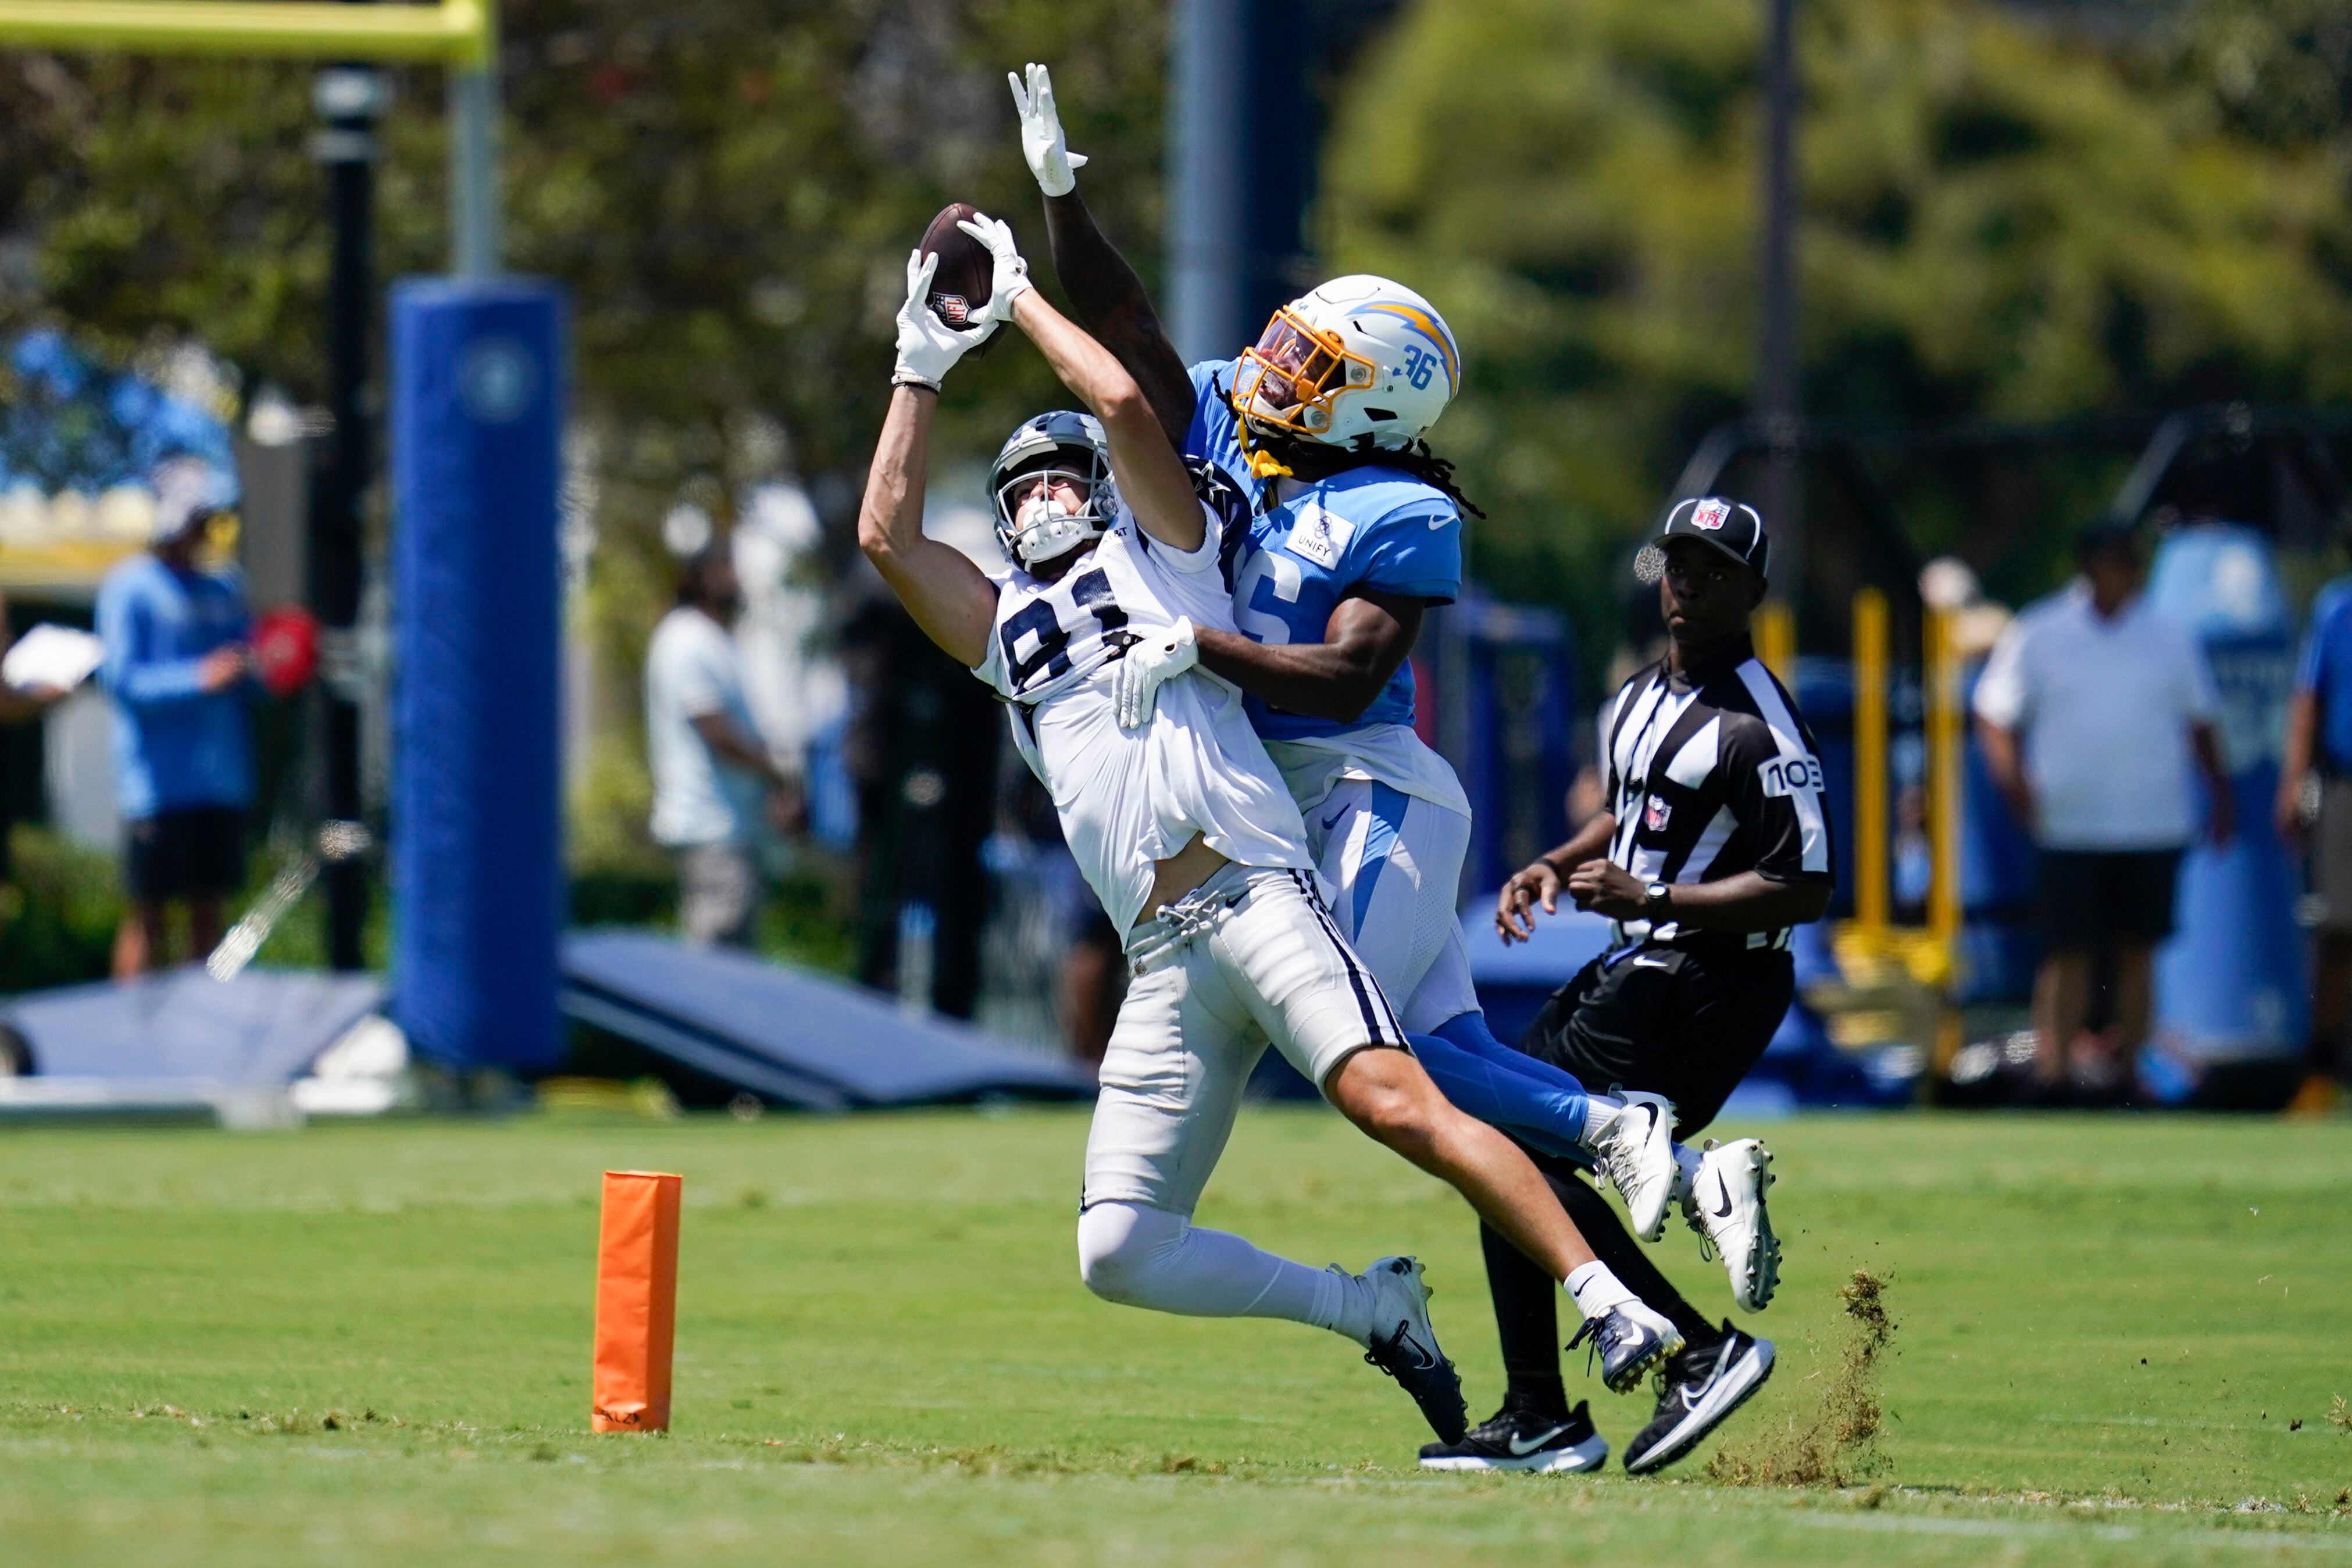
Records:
x=1526, y=1319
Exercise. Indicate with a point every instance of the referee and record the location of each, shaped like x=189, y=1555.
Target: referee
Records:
x=1714, y=844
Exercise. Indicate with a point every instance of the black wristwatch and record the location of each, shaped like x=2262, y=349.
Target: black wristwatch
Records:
x=1656, y=901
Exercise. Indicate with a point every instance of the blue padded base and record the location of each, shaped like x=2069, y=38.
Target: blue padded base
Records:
x=789, y=1035
x=265, y=1027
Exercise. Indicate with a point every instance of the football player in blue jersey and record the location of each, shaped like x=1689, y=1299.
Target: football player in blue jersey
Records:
x=1356, y=531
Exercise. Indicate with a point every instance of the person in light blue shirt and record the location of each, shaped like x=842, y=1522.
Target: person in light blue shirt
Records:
x=2314, y=813
x=1355, y=533
x=179, y=671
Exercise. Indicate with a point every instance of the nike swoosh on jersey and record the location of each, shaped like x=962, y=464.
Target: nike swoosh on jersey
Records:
x=1521, y=1447
x=1435, y=524
x=1638, y=963
x=1333, y=818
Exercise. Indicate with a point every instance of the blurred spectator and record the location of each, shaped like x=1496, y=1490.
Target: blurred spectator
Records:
x=17, y=707
x=2090, y=712
x=711, y=771
x=180, y=674
x=1086, y=960
x=922, y=749
x=2315, y=813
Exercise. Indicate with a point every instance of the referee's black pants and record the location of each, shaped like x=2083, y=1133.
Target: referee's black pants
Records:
x=1687, y=1023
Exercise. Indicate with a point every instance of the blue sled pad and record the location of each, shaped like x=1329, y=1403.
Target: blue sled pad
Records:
x=265, y=1027
x=788, y=1035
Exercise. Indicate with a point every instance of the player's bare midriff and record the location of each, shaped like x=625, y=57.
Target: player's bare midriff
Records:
x=1179, y=874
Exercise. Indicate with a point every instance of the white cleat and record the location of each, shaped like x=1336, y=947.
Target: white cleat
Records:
x=1726, y=1207
x=1637, y=1155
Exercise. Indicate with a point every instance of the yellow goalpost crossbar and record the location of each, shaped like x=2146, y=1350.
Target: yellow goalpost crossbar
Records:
x=462, y=34
x=455, y=32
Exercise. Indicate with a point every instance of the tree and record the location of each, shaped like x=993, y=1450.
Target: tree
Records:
x=727, y=189
x=1999, y=221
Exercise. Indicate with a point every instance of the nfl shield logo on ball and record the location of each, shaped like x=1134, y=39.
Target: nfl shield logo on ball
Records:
x=1654, y=815
x=1710, y=515
x=953, y=307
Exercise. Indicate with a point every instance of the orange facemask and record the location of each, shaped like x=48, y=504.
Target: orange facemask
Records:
x=1289, y=380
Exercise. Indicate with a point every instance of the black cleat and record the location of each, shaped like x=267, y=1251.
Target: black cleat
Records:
x=1405, y=1347
x=1515, y=1439
x=1698, y=1390
x=1630, y=1339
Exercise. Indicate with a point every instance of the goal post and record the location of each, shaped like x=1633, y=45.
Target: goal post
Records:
x=479, y=389
x=456, y=32
x=461, y=34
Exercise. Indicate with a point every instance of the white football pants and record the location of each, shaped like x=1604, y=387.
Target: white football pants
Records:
x=1250, y=956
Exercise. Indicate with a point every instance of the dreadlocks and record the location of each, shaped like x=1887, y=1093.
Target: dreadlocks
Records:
x=1311, y=460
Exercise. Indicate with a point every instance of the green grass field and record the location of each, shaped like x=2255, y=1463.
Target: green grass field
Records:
x=2119, y=1342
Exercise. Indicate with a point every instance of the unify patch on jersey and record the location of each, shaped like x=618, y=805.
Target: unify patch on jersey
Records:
x=1785, y=776
x=1320, y=536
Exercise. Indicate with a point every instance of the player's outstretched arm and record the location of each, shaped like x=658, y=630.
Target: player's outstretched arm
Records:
x=1104, y=290
x=950, y=599
x=1152, y=477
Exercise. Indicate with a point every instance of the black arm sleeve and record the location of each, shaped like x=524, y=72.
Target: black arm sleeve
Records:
x=1109, y=300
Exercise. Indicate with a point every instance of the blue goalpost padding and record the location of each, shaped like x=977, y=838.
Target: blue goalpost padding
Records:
x=478, y=388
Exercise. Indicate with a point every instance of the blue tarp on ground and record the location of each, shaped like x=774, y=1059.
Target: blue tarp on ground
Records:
x=265, y=1027
x=790, y=1035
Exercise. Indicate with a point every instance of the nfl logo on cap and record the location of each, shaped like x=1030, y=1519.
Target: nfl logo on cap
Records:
x=1729, y=526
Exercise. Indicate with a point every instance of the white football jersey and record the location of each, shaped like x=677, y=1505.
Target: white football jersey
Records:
x=1128, y=798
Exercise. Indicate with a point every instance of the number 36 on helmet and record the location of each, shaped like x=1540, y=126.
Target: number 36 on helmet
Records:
x=1361, y=362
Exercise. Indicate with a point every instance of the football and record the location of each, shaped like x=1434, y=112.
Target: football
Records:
x=961, y=286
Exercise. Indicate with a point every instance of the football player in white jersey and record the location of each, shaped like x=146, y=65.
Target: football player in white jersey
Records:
x=1184, y=830
x=1354, y=532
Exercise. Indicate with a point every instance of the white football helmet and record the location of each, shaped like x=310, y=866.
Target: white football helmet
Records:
x=1360, y=362
x=1069, y=450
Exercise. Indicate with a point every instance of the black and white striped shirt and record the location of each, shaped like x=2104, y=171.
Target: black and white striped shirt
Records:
x=1711, y=773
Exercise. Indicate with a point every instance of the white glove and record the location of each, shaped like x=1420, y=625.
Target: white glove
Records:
x=1011, y=279
x=1050, y=158
x=927, y=347
x=1135, y=684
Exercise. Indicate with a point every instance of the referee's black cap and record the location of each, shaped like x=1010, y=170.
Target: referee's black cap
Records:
x=1732, y=526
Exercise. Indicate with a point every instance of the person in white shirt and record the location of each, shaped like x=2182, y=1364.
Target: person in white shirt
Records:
x=2092, y=711
x=1184, y=830
x=711, y=771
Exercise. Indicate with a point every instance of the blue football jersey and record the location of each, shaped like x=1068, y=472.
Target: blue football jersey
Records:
x=1373, y=527
x=1215, y=435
